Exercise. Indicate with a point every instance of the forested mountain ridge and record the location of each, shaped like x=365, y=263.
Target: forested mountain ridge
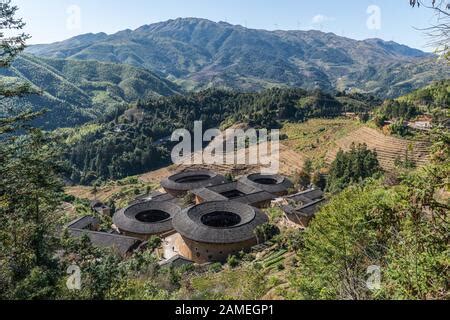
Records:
x=437, y=94
x=75, y=92
x=135, y=142
x=199, y=53
x=430, y=102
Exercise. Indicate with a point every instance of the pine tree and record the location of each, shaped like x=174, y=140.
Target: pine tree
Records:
x=29, y=189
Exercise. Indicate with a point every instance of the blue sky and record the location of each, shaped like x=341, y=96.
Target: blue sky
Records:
x=55, y=20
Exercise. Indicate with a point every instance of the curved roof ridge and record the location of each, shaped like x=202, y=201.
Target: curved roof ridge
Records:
x=126, y=220
x=189, y=223
x=281, y=184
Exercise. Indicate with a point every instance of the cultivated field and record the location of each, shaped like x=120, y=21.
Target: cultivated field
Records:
x=318, y=140
x=314, y=138
x=388, y=148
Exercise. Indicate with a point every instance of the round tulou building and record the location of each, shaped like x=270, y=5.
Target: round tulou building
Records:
x=146, y=219
x=274, y=184
x=212, y=231
x=179, y=184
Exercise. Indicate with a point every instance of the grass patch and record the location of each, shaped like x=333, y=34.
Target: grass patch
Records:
x=316, y=137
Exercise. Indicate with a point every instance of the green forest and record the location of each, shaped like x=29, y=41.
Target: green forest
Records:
x=129, y=144
x=75, y=92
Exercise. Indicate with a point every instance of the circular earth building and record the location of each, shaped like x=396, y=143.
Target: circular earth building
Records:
x=212, y=231
x=146, y=219
x=179, y=184
x=274, y=184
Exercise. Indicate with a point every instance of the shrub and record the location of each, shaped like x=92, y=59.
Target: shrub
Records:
x=266, y=232
x=233, y=261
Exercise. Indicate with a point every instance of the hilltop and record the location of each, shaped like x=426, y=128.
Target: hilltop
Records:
x=199, y=54
x=75, y=91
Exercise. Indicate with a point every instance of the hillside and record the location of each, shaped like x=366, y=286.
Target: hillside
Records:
x=135, y=141
x=311, y=122
x=199, y=53
x=318, y=140
x=75, y=92
x=435, y=95
x=389, y=149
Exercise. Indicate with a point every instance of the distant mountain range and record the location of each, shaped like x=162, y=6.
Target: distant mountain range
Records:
x=93, y=75
x=198, y=54
x=76, y=91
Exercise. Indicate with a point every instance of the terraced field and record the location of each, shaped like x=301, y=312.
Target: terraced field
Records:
x=290, y=162
x=388, y=148
x=314, y=138
x=318, y=140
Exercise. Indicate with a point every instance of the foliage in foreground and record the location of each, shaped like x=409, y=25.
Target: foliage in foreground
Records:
x=402, y=229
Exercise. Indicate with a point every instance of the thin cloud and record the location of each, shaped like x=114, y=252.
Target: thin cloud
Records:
x=320, y=19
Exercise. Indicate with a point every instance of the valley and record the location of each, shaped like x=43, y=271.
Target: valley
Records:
x=75, y=92
x=94, y=206
x=317, y=140
x=92, y=76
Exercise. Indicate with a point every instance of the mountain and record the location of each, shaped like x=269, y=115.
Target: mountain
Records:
x=75, y=92
x=198, y=53
x=435, y=95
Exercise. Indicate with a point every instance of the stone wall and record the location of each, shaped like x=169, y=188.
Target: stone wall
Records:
x=208, y=252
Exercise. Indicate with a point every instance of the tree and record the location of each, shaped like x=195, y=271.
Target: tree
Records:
x=319, y=180
x=10, y=45
x=352, y=167
x=439, y=32
x=265, y=232
x=308, y=166
x=402, y=229
x=399, y=128
x=232, y=261
x=303, y=180
x=30, y=191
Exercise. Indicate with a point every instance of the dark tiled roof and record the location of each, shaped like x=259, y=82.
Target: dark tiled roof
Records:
x=125, y=219
x=154, y=196
x=307, y=210
x=189, y=223
x=83, y=223
x=163, y=197
x=175, y=182
x=241, y=187
x=256, y=198
x=150, y=196
x=249, y=194
x=307, y=196
x=96, y=203
x=281, y=184
x=120, y=244
x=176, y=261
x=208, y=195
